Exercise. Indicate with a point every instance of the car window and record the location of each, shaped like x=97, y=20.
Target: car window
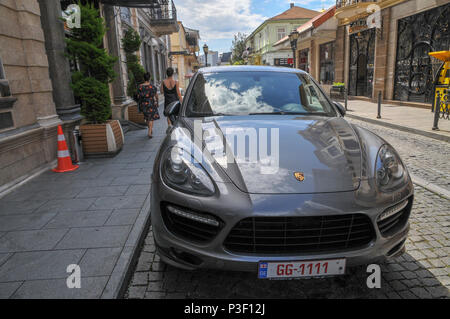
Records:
x=235, y=93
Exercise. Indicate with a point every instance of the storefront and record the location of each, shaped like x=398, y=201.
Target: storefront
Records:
x=418, y=35
x=389, y=54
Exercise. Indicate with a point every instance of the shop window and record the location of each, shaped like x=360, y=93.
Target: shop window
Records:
x=326, y=63
x=303, y=61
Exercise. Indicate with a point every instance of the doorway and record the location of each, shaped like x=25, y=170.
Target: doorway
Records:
x=362, y=55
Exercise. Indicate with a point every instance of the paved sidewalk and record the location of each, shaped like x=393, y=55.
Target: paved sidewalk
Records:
x=411, y=119
x=93, y=217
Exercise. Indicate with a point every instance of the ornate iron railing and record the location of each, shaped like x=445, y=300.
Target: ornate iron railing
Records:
x=344, y=3
x=442, y=108
x=165, y=11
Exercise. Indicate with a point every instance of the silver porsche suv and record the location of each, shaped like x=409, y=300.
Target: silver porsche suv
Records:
x=261, y=172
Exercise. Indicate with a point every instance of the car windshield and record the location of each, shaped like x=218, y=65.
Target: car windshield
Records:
x=260, y=92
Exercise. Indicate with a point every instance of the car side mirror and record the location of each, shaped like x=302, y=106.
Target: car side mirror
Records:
x=340, y=108
x=172, y=111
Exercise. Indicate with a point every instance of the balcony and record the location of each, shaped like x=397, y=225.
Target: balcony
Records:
x=346, y=9
x=163, y=18
x=192, y=38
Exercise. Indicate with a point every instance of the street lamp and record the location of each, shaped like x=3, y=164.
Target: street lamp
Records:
x=206, y=50
x=293, y=37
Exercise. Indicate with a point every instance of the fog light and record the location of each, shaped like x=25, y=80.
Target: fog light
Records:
x=193, y=216
x=392, y=210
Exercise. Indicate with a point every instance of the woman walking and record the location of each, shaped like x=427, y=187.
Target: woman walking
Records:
x=171, y=90
x=148, y=101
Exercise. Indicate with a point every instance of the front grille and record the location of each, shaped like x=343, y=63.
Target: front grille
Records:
x=187, y=228
x=395, y=222
x=298, y=235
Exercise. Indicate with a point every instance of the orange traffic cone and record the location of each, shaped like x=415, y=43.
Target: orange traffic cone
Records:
x=64, y=160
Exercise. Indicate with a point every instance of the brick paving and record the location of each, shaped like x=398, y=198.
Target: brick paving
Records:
x=422, y=272
x=424, y=157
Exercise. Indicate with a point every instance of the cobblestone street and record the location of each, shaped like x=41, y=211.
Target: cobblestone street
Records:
x=422, y=272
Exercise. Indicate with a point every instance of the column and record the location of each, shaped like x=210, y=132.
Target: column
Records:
x=152, y=56
x=381, y=55
x=119, y=94
x=58, y=64
x=339, y=57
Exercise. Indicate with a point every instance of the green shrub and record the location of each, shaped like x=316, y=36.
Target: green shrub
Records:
x=131, y=43
x=90, y=83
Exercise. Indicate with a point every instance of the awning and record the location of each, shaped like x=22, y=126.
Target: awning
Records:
x=133, y=3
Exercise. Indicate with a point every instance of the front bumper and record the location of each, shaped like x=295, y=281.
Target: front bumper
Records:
x=236, y=206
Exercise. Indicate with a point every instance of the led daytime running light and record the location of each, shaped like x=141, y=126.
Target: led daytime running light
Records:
x=192, y=216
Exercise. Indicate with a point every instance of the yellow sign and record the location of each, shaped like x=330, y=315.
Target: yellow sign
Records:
x=443, y=77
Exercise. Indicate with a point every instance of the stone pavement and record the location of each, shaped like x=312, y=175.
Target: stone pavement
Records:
x=93, y=217
x=410, y=119
x=422, y=272
x=425, y=158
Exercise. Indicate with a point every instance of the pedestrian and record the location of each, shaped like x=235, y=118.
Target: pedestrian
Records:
x=171, y=90
x=148, y=102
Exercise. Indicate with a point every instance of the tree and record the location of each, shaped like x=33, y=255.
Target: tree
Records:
x=131, y=43
x=90, y=82
x=238, y=48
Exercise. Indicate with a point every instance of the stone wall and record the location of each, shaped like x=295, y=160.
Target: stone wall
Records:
x=31, y=143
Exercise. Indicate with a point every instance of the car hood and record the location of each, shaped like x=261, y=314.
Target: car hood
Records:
x=304, y=154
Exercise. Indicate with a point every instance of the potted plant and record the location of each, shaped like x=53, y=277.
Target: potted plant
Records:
x=131, y=43
x=100, y=135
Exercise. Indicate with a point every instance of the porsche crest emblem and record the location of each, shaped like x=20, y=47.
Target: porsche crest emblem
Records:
x=299, y=176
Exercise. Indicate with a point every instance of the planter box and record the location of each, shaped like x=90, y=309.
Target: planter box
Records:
x=337, y=92
x=102, y=140
x=134, y=115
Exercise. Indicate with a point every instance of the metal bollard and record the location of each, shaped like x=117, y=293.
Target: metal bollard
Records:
x=379, y=105
x=77, y=147
x=437, y=111
x=345, y=98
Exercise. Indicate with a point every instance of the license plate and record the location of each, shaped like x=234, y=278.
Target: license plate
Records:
x=299, y=269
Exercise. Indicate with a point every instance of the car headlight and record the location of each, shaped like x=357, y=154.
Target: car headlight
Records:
x=390, y=173
x=180, y=171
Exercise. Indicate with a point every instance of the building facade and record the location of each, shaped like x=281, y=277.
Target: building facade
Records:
x=315, y=51
x=184, y=47
x=261, y=42
x=225, y=58
x=35, y=75
x=383, y=47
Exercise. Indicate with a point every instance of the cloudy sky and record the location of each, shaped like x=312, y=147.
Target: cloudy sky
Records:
x=219, y=20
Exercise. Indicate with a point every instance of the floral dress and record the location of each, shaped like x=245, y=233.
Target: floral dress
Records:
x=148, y=102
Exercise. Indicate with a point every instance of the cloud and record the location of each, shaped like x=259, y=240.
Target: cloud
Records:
x=218, y=19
